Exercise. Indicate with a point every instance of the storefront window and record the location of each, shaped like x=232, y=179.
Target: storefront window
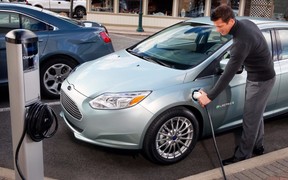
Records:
x=160, y=7
x=129, y=6
x=102, y=5
x=191, y=8
x=233, y=3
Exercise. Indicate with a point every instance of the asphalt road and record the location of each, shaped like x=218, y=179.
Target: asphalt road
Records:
x=67, y=158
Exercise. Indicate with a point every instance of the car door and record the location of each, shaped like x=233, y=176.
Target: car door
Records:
x=282, y=55
x=60, y=5
x=10, y=21
x=40, y=28
x=227, y=108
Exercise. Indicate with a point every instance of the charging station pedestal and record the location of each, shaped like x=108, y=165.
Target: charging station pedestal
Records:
x=24, y=90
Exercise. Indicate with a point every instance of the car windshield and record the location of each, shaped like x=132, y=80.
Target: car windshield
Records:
x=182, y=46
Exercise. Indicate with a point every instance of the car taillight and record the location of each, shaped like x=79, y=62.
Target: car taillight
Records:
x=105, y=37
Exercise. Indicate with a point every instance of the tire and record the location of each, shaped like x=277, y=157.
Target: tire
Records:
x=80, y=12
x=171, y=137
x=52, y=73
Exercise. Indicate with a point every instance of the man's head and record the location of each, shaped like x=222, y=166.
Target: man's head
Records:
x=223, y=18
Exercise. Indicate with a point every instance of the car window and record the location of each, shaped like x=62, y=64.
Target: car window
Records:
x=215, y=67
x=181, y=46
x=33, y=24
x=283, y=49
x=10, y=21
x=267, y=36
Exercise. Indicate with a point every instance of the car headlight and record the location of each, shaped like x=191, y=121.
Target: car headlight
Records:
x=118, y=100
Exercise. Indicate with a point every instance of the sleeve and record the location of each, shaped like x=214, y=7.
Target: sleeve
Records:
x=238, y=52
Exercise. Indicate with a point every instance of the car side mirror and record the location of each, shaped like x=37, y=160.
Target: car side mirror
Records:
x=223, y=64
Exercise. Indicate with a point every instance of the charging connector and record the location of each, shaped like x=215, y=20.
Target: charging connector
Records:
x=196, y=95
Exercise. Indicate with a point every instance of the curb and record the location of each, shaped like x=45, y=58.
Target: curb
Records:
x=251, y=163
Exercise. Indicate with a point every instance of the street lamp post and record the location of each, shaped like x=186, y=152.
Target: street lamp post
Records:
x=140, y=28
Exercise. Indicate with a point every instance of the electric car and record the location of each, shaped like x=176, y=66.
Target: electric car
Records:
x=63, y=42
x=141, y=97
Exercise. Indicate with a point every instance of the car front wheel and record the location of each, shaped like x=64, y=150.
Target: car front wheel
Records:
x=171, y=137
x=52, y=73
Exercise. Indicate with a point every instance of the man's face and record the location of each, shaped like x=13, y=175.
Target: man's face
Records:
x=222, y=27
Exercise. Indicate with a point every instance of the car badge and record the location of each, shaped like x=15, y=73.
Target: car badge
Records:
x=69, y=88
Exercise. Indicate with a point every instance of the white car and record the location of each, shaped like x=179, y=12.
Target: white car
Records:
x=79, y=6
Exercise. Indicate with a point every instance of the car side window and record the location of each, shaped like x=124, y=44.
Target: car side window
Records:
x=8, y=22
x=267, y=36
x=283, y=44
x=33, y=24
x=215, y=67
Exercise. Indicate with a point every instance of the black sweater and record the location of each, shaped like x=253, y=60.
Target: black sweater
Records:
x=250, y=49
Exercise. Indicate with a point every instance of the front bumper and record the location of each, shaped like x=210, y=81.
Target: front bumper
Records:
x=123, y=128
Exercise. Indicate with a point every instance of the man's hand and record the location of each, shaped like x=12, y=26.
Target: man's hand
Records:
x=203, y=99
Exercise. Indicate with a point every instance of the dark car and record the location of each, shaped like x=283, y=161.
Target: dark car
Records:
x=63, y=42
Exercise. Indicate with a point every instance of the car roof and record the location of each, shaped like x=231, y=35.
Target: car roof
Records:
x=38, y=13
x=257, y=20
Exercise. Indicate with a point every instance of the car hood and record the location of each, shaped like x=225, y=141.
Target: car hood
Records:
x=122, y=72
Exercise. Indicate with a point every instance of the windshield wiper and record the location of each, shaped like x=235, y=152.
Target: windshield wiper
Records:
x=148, y=58
x=134, y=53
x=157, y=61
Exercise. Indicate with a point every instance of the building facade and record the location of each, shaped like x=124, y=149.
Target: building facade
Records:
x=163, y=13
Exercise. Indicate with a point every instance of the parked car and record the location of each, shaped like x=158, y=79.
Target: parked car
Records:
x=63, y=42
x=140, y=97
x=4, y=1
x=79, y=6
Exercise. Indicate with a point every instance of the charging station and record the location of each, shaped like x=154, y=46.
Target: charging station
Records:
x=24, y=90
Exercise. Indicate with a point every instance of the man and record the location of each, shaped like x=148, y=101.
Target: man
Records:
x=250, y=49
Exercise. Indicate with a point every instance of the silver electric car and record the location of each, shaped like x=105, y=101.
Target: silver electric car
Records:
x=140, y=97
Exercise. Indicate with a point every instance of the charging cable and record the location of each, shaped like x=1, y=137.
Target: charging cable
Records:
x=40, y=122
x=196, y=95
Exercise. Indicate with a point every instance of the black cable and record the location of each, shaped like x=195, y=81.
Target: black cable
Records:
x=215, y=144
x=39, y=120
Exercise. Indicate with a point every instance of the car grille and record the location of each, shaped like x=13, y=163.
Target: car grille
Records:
x=74, y=127
x=70, y=106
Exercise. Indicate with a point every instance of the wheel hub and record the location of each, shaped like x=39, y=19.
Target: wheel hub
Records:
x=59, y=79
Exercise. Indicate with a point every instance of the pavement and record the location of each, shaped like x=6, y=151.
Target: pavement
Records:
x=269, y=166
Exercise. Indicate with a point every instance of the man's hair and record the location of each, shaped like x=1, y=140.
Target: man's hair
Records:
x=223, y=12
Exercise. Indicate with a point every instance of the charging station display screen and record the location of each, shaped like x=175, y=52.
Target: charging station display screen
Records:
x=30, y=56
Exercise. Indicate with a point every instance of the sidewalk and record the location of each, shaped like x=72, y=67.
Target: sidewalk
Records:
x=270, y=166
x=131, y=30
